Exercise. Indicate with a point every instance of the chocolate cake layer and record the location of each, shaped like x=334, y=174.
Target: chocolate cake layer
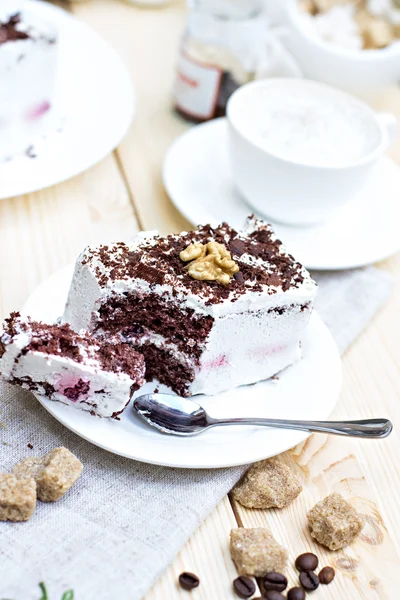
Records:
x=123, y=358
x=161, y=365
x=129, y=314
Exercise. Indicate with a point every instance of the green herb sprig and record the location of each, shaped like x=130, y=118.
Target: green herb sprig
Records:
x=68, y=595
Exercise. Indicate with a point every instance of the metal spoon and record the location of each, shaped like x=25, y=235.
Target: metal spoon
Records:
x=181, y=416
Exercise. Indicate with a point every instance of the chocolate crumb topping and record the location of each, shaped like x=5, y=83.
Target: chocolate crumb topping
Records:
x=264, y=265
x=9, y=31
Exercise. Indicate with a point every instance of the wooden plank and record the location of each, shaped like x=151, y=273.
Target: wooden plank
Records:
x=207, y=555
x=367, y=569
x=147, y=40
x=371, y=389
x=44, y=231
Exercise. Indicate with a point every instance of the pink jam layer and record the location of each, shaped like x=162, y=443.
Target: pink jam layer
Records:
x=267, y=351
x=38, y=111
x=73, y=388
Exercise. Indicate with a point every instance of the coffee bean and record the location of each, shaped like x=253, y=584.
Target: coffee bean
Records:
x=296, y=593
x=275, y=581
x=306, y=562
x=326, y=575
x=309, y=580
x=188, y=581
x=244, y=586
x=273, y=595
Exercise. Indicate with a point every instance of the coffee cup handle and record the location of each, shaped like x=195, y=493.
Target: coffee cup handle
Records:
x=281, y=63
x=390, y=125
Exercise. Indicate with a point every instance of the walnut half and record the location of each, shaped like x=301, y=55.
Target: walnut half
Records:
x=209, y=262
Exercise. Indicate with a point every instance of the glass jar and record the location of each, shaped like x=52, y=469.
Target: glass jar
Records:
x=220, y=50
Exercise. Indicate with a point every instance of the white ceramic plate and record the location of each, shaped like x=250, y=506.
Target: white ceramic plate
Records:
x=94, y=106
x=307, y=390
x=197, y=178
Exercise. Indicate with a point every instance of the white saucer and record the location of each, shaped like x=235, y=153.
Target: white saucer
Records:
x=197, y=178
x=95, y=105
x=307, y=390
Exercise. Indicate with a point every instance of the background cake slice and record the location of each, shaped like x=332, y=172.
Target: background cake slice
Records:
x=56, y=362
x=28, y=62
x=197, y=336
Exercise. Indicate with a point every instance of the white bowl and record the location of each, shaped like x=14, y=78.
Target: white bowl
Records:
x=362, y=72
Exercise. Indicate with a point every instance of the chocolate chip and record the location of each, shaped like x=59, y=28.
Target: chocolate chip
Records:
x=275, y=581
x=238, y=277
x=273, y=595
x=306, y=562
x=237, y=247
x=149, y=274
x=296, y=593
x=326, y=575
x=244, y=586
x=188, y=581
x=309, y=580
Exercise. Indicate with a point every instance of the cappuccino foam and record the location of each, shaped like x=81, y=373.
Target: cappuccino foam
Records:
x=307, y=122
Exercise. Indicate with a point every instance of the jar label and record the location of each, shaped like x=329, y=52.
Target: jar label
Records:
x=197, y=87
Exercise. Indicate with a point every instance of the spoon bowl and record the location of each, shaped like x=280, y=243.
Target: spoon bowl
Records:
x=172, y=414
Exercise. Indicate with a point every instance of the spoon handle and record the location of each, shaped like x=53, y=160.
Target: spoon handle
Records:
x=369, y=428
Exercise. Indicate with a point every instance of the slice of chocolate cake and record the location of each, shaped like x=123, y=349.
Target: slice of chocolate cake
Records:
x=56, y=362
x=210, y=309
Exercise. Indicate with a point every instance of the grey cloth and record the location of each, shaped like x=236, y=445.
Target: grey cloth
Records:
x=122, y=524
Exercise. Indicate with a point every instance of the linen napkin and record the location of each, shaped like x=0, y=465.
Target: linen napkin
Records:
x=122, y=524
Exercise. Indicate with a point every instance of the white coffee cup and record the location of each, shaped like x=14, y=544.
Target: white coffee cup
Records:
x=305, y=178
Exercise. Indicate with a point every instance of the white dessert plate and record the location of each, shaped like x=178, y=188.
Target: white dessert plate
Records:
x=306, y=390
x=94, y=106
x=197, y=178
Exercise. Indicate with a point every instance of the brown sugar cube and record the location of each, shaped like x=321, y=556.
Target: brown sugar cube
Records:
x=325, y=5
x=28, y=467
x=307, y=6
x=256, y=552
x=55, y=473
x=334, y=522
x=376, y=31
x=267, y=484
x=17, y=498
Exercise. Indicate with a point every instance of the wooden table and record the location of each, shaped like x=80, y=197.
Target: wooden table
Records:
x=42, y=232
